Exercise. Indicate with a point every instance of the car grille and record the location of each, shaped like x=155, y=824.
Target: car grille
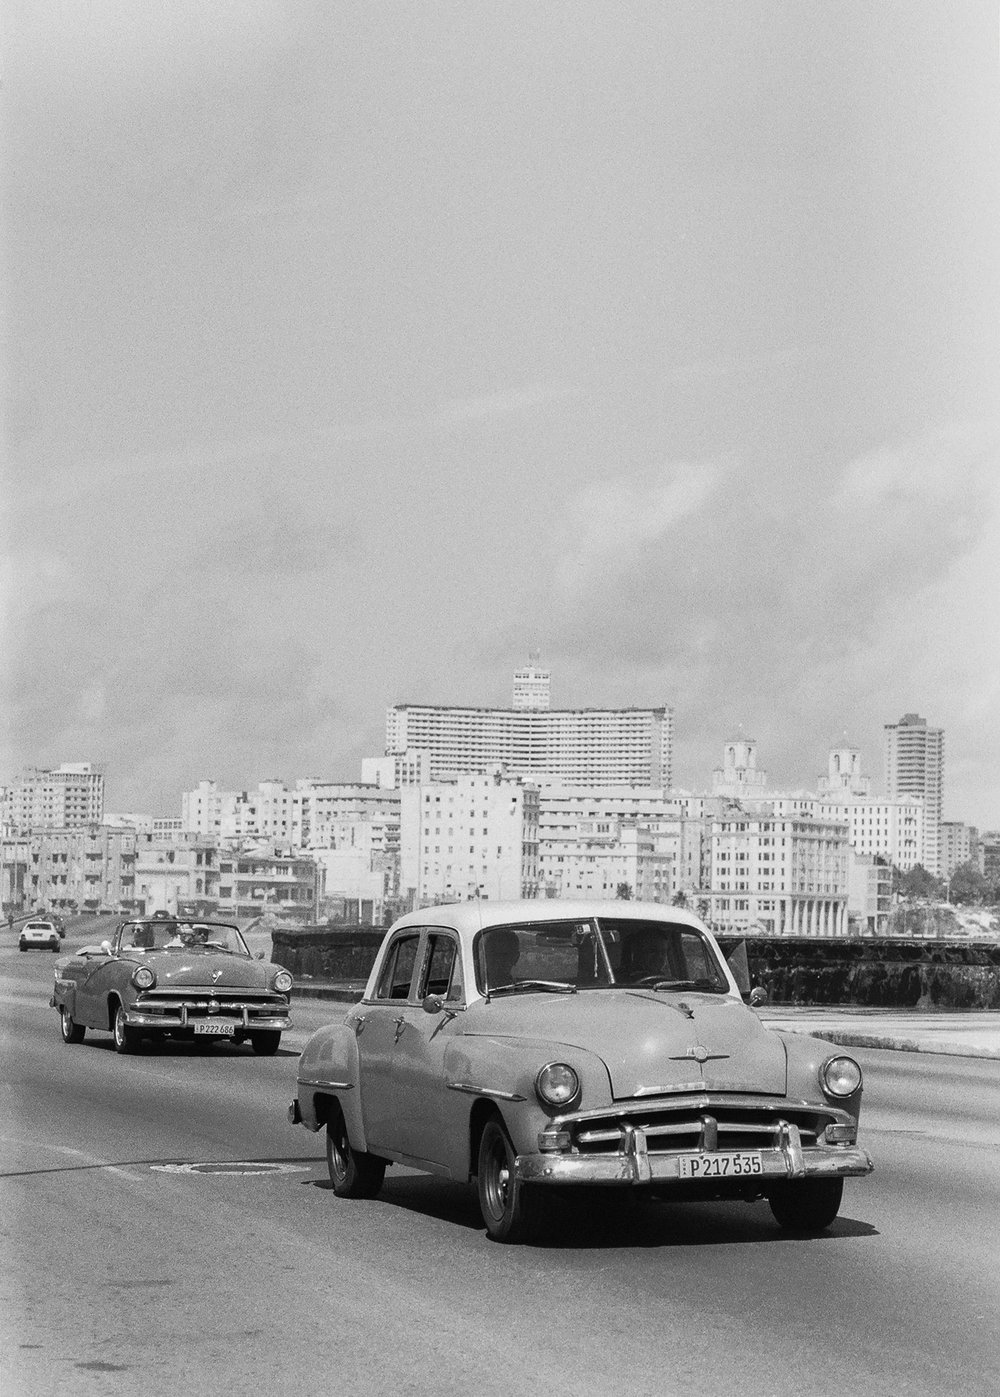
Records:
x=705, y=1122
x=199, y=1002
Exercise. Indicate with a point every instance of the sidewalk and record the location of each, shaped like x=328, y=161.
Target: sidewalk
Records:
x=961, y=1033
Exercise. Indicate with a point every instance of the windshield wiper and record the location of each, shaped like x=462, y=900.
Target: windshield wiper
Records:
x=559, y=985
x=652, y=983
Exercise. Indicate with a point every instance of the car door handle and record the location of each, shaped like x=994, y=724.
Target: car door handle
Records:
x=359, y=1025
x=400, y=1025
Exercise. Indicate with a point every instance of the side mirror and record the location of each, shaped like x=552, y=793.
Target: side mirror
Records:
x=758, y=995
x=106, y=947
x=432, y=1004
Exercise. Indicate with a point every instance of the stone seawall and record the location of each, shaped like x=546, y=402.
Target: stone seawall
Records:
x=878, y=973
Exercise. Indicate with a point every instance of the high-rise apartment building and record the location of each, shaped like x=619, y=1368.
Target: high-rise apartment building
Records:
x=571, y=746
x=62, y=798
x=914, y=766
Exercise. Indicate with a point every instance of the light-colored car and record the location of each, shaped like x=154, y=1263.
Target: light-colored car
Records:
x=44, y=935
x=533, y=1044
x=168, y=978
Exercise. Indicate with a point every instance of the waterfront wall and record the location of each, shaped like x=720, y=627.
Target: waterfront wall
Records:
x=877, y=972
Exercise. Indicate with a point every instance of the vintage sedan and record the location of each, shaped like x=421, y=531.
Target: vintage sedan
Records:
x=43, y=934
x=164, y=978
x=541, y=1044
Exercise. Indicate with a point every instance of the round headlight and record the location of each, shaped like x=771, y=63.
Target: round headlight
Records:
x=282, y=982
x=557, y=1084
x=840, y=1076
x=143, y=978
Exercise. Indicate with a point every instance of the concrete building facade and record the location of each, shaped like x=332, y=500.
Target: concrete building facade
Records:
x=475, y=836
x=64, y=797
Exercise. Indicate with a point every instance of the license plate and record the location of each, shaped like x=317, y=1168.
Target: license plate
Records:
x=736, y=1165
x=223, y=1030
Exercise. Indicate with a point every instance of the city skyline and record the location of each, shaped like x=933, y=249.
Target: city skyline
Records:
x=356, y=353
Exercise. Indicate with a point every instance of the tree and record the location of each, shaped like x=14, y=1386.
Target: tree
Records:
x=967, y=884
x=679, y=898
x=623, y=892
x=917, y=882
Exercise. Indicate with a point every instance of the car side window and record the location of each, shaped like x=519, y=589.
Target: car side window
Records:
x=397, y=972
x=442, y=968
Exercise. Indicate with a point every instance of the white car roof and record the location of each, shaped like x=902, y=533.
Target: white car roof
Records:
x=467, y=918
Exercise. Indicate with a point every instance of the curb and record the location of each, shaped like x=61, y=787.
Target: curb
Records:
x=846, y=1038
x=340, y=994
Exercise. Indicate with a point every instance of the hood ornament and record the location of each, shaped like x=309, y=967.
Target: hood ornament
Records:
x=699, y=1053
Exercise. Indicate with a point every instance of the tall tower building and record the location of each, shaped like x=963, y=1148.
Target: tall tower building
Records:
x=531, y=688
x=914, y=766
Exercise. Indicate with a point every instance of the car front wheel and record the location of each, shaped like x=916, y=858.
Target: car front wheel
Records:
x=72, y=1032
x=353, y=1173
x=127, y=1039
x=265, y=1043
x=509, y=1207
x=808, y=1207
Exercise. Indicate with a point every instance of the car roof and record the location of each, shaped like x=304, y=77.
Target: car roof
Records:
x=467, y=918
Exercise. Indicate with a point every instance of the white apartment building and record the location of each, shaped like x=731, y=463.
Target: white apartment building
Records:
x=476, y=836
x=61, y=798
x=299, y=818
x=914, y=767
x=602, y=856
x=778, y=876
x=408, y=768
x=575, y=746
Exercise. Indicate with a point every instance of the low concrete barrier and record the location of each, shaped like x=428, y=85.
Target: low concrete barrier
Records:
x=876, y=972
x=325, y=952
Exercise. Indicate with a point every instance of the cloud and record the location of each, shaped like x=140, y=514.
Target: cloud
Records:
x=797, y=601
x=611, y=523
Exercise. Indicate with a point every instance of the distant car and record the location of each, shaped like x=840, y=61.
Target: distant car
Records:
x=534, y=1044
x=161, y=978
x=43, y=934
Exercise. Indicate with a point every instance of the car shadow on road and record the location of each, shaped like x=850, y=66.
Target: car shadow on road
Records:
x=609, y=1220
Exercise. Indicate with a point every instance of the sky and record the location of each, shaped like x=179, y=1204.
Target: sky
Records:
x=355, y=352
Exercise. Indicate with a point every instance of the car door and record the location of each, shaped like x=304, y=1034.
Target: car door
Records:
x=380, y=1022
x=429, y=1117
x=93, y=975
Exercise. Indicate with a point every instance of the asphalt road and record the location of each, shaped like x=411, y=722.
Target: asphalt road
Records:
x=164, y=1230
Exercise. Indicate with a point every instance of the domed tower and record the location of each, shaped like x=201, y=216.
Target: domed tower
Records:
x=738, y=776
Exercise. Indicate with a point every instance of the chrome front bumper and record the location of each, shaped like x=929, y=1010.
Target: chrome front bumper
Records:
x=633, y=1164
x=242, y=1018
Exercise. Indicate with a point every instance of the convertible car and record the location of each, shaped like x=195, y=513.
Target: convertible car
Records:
x=541, y=1044
x=161, y=978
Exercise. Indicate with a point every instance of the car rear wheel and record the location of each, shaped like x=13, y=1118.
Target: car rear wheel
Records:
x=353, y=1173
x=808, y=1207
x=265, y=1043
x=72, y=1032
x=509, y=1208
x=127, y=1039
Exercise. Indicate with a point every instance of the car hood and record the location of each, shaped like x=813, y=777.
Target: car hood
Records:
x=177, y=970
x=650, y=1042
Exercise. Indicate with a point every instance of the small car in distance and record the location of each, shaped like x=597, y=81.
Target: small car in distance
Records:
x=169, y=978
x=535, y=1044
x=43, y=934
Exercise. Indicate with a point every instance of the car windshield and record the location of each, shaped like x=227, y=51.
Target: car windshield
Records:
x=596, y=953
x=147, y=937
